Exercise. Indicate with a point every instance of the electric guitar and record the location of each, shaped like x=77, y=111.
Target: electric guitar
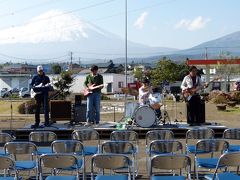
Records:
x=40, y=88
x=88, y=90
x=188, y=93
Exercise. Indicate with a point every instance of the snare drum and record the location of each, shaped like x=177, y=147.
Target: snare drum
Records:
x=154, y=100
x=145, y=116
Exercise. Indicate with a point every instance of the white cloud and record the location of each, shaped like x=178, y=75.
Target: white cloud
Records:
x=139, y=23
x=194, y=24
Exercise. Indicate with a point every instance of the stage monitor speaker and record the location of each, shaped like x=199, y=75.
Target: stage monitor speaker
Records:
x=201, y=117
x=80, y=113
x=78, y=100
x=60, y=110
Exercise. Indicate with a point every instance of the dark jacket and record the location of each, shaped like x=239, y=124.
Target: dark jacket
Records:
x=37, y=79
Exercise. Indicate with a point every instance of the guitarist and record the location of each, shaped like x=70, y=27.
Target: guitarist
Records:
x=191, y=86
x=41, y=97
x=93, y=98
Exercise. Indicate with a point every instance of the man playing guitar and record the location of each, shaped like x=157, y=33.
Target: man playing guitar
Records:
x=191, y=86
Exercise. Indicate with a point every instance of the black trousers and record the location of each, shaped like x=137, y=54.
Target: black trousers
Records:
x=41, y=100
x=194, y=110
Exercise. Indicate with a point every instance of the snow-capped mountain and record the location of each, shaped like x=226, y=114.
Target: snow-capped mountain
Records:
x=56, y=33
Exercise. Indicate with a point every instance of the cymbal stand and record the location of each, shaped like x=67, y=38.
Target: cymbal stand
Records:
x=165, y=113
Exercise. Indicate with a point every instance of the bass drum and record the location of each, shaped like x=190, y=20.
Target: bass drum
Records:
x=145, y=116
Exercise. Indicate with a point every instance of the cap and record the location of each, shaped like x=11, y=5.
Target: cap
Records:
x=39, y=68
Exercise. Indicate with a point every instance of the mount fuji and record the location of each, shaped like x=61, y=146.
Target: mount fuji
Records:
x=55, y=33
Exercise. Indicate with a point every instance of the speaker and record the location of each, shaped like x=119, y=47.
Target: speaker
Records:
x=78, y=100
x=80, y=113
x=60, y=110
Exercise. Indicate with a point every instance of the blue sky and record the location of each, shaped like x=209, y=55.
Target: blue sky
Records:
x=166, y=23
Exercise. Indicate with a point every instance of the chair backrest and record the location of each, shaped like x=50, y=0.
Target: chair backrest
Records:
x=58, y=161
x=118, y=147
x=165, y=146
x=67, y=146
x=5, y=137
x=6, y=163
x=211, y=146
x=16, y=148
x=233, y=133
x=85, y=135
x=42, y=136
x=158, y=135
x=231, y=159
x=170, y=162
x=199, y=133
x=110, y=161
x=125, y=135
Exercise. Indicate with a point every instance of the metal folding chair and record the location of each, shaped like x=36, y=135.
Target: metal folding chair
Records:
x=231, y=159
x=121, y=147
x=8, y=164
x=43, y=137
x=130, y=136
x=56, y=162
x=88, y=136
x=74, y=147
x=195, y=135
x=110, y=162
x=232, y=134
x=171, y=162
x=16, y=149
x=4, y=138
x=158, y=135
x=209, y=147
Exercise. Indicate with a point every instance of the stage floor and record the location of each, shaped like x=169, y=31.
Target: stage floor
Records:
x=64, y=130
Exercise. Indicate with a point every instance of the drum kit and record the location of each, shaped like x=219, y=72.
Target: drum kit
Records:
x=149, y=114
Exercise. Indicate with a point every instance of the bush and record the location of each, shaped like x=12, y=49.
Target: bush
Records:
x=235, y=96
x=219, y=97
x=26, y=107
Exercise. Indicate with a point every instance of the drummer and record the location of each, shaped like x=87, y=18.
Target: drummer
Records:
x=144, y=91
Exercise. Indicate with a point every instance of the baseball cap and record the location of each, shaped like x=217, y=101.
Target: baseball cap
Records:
x=39, y=68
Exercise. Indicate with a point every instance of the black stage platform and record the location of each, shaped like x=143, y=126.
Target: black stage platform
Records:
x=64, y=130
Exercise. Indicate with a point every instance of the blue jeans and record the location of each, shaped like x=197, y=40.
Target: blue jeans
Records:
x=93, y=107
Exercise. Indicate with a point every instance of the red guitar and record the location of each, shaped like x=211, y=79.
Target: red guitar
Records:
x=88, y=90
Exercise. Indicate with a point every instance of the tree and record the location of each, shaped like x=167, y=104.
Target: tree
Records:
x=56, y=68
x=138, y=74
x=166, y=70
x=63, y=84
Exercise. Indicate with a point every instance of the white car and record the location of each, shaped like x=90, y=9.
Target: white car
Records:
x=4, y=92
x=24, y=92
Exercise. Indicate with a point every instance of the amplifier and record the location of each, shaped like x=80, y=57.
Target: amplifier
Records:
x=60, y=110
x=80, y=113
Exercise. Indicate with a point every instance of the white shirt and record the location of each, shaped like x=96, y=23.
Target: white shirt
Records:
x=143, y=95
x=187, y=83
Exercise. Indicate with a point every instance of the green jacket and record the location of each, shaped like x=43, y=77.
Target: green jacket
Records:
x=97, y=80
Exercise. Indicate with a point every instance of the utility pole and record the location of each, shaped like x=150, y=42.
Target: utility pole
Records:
x=126, y=52
x=79, y=61
x=71, y=58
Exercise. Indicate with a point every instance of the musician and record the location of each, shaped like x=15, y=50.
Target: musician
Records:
x=41, y=98
x=93, y=99
x=144, y=91
x=192, y=85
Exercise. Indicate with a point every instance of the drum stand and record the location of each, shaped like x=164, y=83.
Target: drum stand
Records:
x=175, y=107
x=165, y=115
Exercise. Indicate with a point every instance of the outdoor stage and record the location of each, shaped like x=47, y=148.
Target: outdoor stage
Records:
x=64, y=130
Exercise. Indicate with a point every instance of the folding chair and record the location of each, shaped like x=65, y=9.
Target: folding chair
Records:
x=16, y=149
x=130, y=136
x=195, y=135
x=209, y=147
x=121, y=147
x=40, y=137
x=74, y=147
x=230, y=159
x=110, y=162
x=232, y=134
x=4, y=138
x=88, y=136
x=8, y=164
x=56, y=162
x=171, y=162
x=163, y=147
x=158, y=135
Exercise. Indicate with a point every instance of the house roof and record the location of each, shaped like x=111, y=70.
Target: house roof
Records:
x=212, y=61
x=87, y=71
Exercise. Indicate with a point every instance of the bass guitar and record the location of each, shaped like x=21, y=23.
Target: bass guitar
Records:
x=88, y=90
x=39, y=89
x=188, y=93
